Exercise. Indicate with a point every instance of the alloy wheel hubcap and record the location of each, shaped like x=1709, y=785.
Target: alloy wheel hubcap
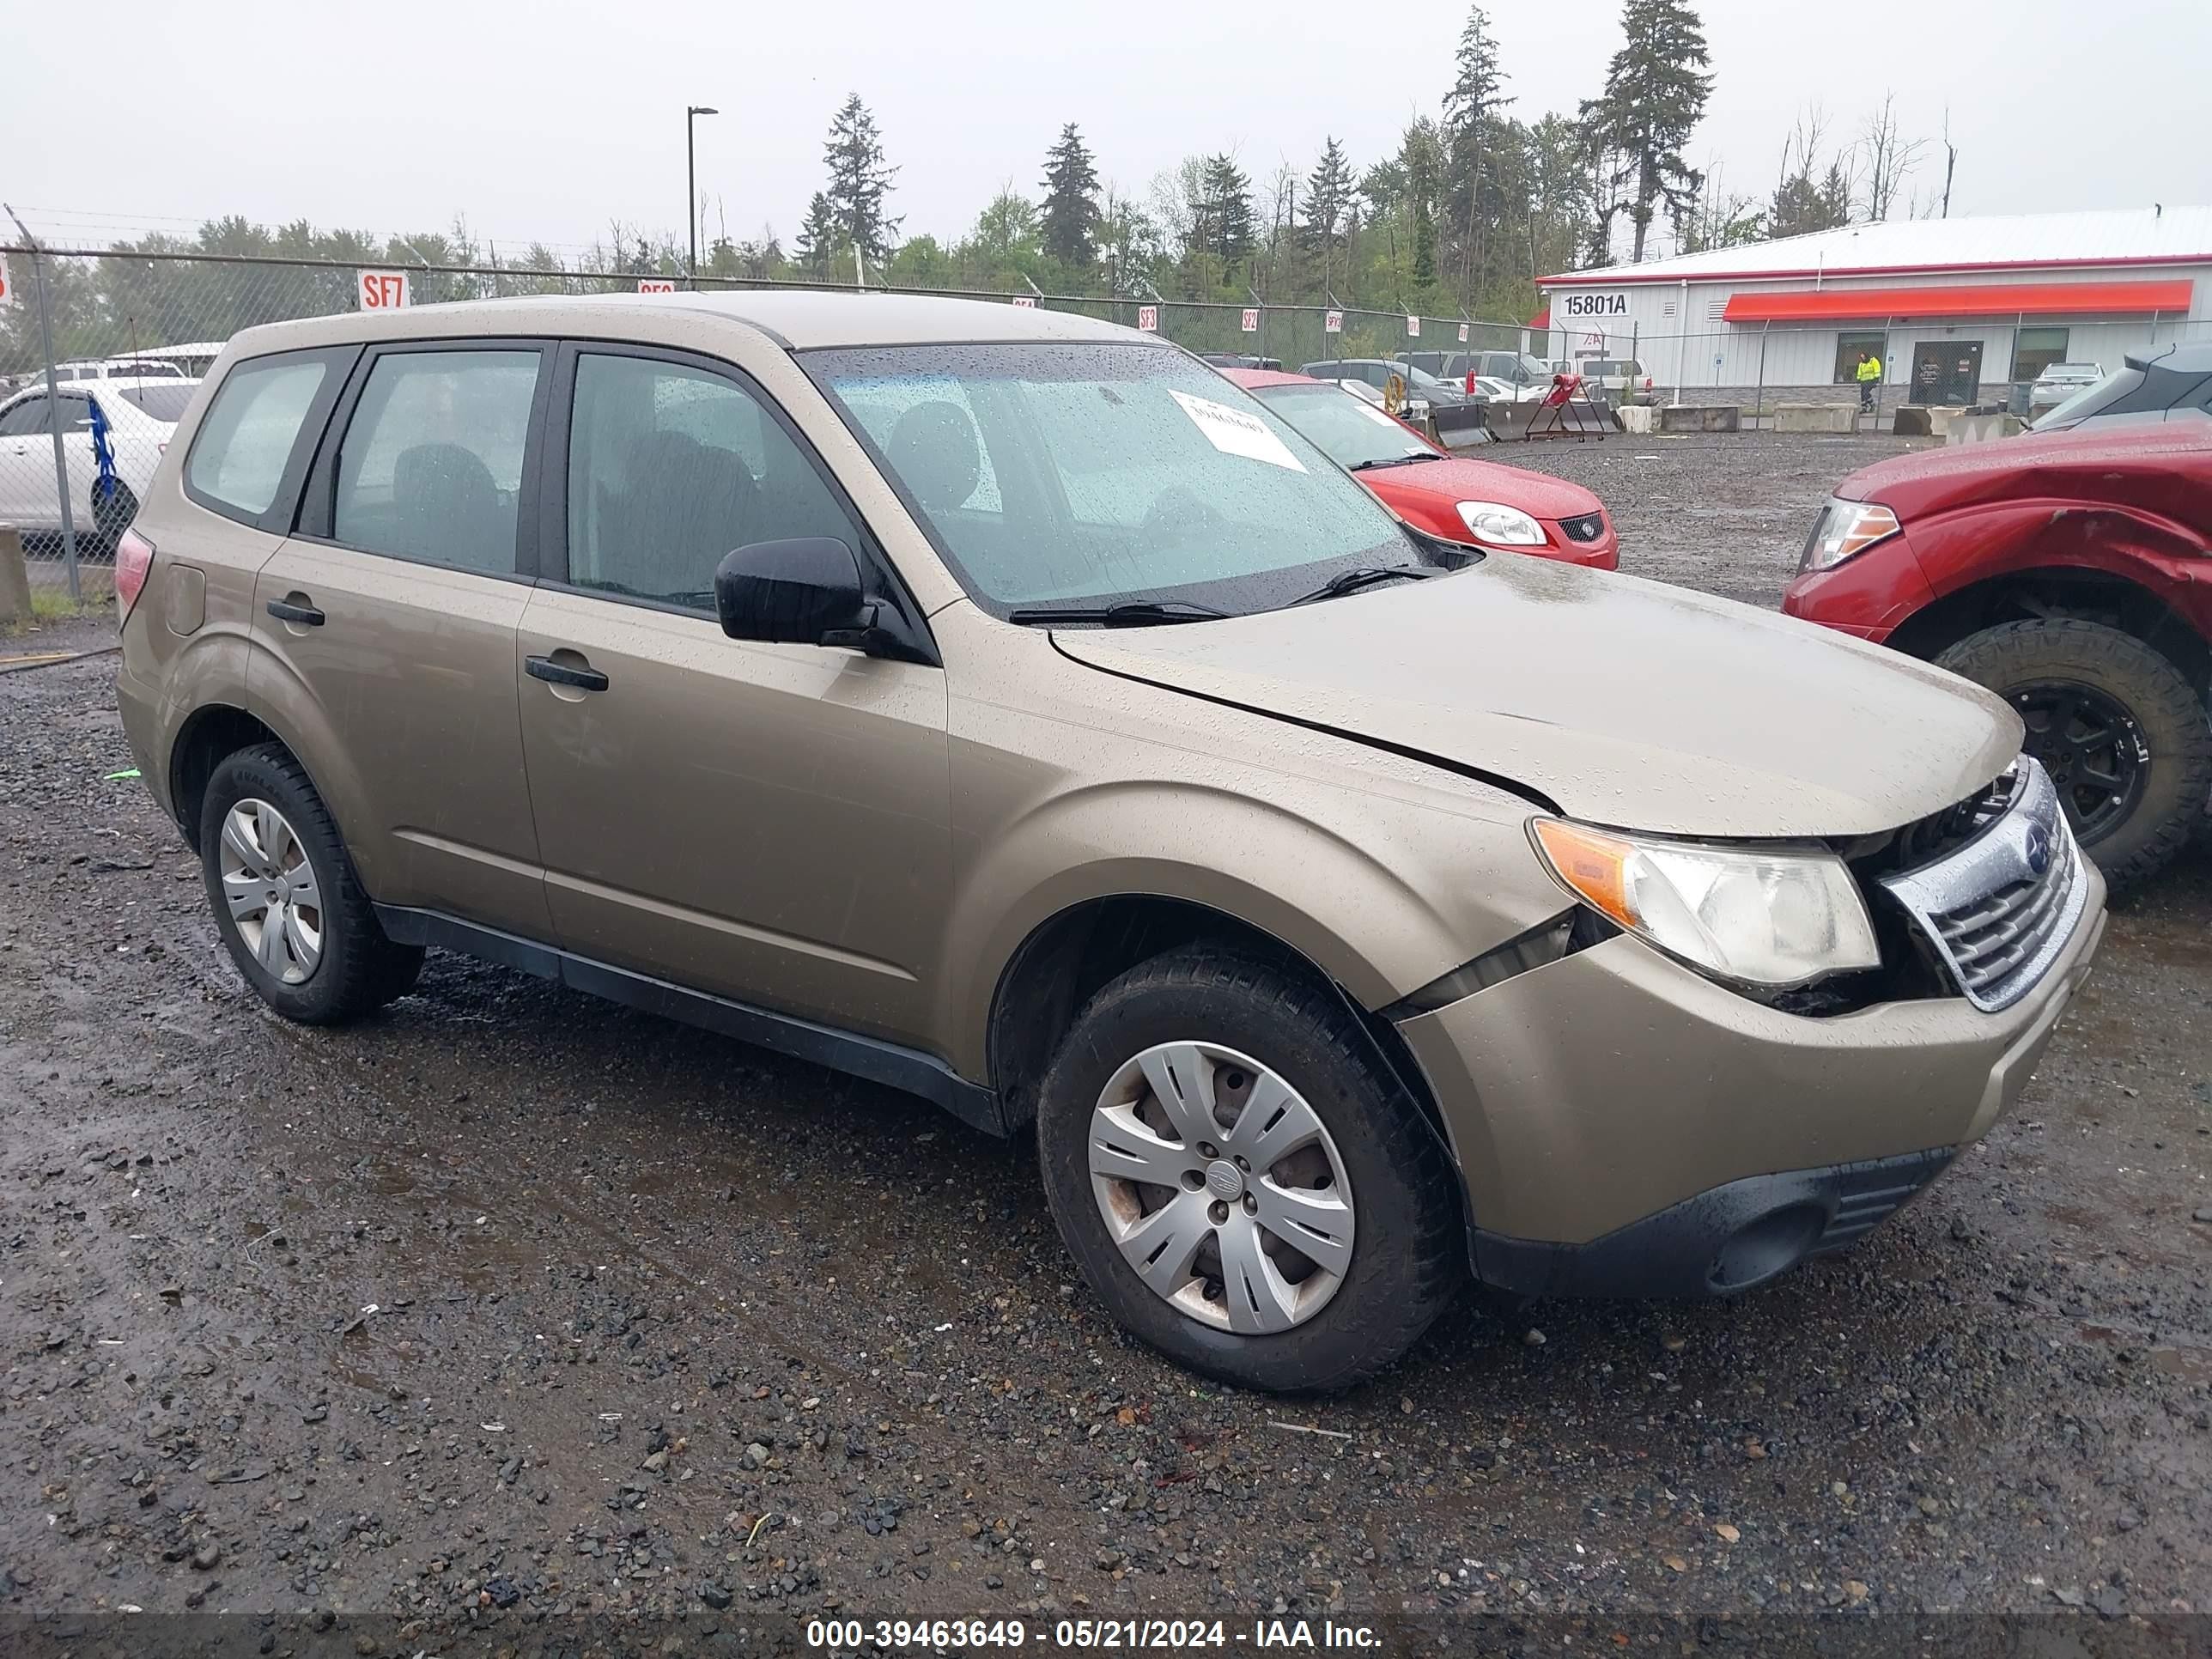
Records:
x=270, y=890
x=1221, y=1188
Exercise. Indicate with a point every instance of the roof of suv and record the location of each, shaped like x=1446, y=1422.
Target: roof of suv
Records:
x=798, y=319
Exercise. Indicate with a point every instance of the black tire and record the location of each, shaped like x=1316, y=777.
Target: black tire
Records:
x=2168, y=714
x=1407, y=1262
x=111, y=514
x=360, y=968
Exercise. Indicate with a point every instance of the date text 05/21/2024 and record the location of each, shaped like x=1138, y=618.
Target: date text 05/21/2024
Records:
x=1097, y=1634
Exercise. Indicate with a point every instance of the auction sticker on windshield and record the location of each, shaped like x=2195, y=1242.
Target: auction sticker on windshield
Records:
x=1233, y=432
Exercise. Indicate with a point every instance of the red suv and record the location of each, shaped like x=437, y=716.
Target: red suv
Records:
x=2071, y=572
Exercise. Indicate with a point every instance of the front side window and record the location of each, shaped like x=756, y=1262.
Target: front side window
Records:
x=1119, y=472
x=430, y=467
x=1351, y=432
x=238, y=458
x=669, y=468
x=27, y=419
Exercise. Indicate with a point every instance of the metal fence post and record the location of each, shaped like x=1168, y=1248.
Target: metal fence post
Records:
x=53, y=408
x=1759, y=402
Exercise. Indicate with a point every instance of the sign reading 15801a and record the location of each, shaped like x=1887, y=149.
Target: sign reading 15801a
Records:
x=1579, y=305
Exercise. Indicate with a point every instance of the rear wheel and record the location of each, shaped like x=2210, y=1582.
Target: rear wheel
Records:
x=286, y=900
x=1241, y=1179
x=2122, y=732
x=112, y=513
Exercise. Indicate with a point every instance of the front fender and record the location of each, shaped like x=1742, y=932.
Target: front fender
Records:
x=1373, y=898
x=1971, y=544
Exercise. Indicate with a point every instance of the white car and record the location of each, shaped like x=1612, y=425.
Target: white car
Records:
x=119, y=368
x=1504, y=391
x=2059, y=382
x=139, y=413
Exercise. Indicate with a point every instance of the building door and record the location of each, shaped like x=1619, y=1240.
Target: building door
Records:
x=1946, y=371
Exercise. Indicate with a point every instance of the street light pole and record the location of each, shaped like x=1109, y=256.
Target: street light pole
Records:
x=691, y=114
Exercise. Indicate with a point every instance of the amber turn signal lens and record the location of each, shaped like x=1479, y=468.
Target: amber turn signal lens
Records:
x=1595, y=866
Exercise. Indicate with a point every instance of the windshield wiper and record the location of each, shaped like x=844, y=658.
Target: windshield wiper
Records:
x=1392, y=460
x=1129, y=613
x=1349, y=581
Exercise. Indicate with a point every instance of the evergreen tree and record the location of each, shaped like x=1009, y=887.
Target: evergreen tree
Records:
x=1071, y=200
x=1228, y=210
x=819, y=236
x=860, y=181
x=1655, y=95
x=1328, y=195
x=1423, y=160
x=1473, y=128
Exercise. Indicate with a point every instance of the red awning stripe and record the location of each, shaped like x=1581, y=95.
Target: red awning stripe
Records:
x=1542, y=318
x=1991, y=300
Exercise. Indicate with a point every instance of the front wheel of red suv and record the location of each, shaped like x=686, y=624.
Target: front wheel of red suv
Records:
x=2121, y=731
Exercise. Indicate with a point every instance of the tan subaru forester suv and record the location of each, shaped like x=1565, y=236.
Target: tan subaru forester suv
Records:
x=1002, y=706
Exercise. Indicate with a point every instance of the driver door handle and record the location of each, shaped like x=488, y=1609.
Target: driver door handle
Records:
x=306, y=615
x=561, y=673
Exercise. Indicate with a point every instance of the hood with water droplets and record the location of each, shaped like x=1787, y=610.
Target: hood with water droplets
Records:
x=1623, y=702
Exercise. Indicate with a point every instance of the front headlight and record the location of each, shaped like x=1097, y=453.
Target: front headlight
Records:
x=1770, y=917
x=1500, y=524
x=1843, y=531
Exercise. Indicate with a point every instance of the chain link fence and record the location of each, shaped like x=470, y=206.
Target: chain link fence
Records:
x=126, y=336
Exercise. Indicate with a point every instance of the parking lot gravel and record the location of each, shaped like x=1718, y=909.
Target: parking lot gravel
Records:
x=508, y=1308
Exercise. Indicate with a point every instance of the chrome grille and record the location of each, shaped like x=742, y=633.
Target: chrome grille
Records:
x=1999, y=908
x=1586, y=528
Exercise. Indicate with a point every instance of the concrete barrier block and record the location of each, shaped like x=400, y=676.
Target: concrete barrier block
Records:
x=1700, y=417
x=1815, y=417
x=14, y=577
x=1912, y=421
x=1635, y=417
x=1981, y=428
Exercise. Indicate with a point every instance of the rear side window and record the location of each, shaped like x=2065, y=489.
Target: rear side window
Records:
x=238, y=458
x=163, y=402
x=430, y=467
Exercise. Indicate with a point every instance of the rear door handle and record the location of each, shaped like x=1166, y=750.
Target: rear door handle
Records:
x=306, y=615
x=560, y=673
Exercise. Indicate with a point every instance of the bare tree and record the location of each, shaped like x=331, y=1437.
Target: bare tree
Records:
x=1887, y=158
x=1811, y=193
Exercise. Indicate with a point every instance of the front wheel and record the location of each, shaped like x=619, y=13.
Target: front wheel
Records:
x=1241, y=1179
x=2123, y=734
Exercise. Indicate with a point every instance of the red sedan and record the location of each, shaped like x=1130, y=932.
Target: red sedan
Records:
x=1445, y=495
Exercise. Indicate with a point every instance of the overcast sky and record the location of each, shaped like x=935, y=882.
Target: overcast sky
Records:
x=545, y=121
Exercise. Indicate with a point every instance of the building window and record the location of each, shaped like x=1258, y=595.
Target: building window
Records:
x=2034, y=349
x=1849, y=348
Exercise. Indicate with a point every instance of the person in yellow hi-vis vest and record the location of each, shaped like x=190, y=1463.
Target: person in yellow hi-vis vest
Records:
x=1869, y=378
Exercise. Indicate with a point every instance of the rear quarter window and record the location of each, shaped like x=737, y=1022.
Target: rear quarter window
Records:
x=238, y=456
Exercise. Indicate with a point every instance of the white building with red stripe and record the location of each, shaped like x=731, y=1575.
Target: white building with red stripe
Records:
x=1958, y=310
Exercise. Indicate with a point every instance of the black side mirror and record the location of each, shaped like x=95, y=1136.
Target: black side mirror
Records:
x=806, y=591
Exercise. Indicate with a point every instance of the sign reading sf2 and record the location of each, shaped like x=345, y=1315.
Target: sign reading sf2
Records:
x=1577, y=305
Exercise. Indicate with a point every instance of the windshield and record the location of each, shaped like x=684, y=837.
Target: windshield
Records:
x=1097, y=473
x=163, y=402
x=2091, y=398
x=1351, y=432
